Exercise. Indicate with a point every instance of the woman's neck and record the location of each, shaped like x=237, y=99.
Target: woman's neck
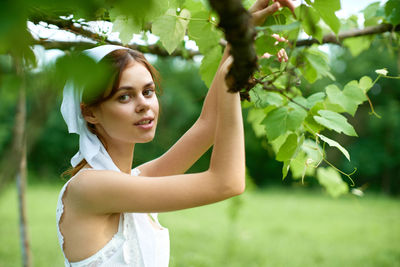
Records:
x=122, y=155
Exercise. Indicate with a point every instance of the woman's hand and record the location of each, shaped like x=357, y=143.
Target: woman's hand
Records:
x=261, y=9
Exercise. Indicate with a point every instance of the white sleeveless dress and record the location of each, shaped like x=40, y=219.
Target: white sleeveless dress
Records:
x=137, y=243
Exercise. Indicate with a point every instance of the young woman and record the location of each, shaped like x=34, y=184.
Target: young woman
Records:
x=107, y=212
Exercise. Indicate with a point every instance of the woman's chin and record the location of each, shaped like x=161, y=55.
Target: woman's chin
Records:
x=146, y=139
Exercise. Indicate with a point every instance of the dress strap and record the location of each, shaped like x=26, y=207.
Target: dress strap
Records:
x=59, y=213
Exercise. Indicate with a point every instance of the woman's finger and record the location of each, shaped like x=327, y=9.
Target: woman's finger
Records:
x=258, y=5
x=282, y=55
x=260, y=16
x=279, y=38
x=289, y=4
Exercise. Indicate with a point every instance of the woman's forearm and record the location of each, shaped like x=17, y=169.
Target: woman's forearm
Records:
x=228, y=156
x=210, y=107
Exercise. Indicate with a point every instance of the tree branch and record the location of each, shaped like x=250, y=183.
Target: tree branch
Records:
x=239, y=33
x=331, y=38
x=154, y=49
x=78, y=29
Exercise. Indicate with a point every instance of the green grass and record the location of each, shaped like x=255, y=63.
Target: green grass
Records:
x=274, y=227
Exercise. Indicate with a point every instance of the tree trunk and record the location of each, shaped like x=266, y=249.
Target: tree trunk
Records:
x=20, y=135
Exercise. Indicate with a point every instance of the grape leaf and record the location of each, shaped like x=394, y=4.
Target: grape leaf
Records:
x=331, y=180
x=392, y=11
x=266, y=44
x=357, y=45
x=262, y=98
x=298, y=165
x=365, y=83
x=255, y=117
x=319, y=61
x=335, y=144
x=310, y=21
x=335, y=121
x=171, y=28
x=295, y=117
x=203, y=32
x=275, y=123
x=288, y=148
x=370, y=16
x=209, y=64
x=315, y=98
x=285, y=169
x=283, y=119
x=349, y=98
x=126, y=27
x=327, y=9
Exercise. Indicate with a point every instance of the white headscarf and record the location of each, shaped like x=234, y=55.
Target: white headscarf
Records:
x=90, y=147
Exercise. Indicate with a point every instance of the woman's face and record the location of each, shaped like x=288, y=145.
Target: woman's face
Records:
x=131, y=114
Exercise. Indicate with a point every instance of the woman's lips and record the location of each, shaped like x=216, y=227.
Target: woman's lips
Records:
x=145, y=126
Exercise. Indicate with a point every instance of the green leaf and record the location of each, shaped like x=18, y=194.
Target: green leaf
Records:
x=278, y=142
x=295, y=117
x=309, y=73
x=283, y=119
x=310, y=19
x=203, y=32
x=349, y=98
x=126, y=27
x=288, y=148
x=335, y=121
x=331, y=180
x=285, y=169
x=370, y=14
x=319, y=61
x=266, y=44
x=365, y=83
x=298, y=165
x=196, y=5
x=392, y=11
x=275, y=123
x=315, y=98
x=313, y=151
x=209, y=64
x=255, y=117
x=335, y=144
x=262, y=98
x=311, y=125
x=327, y=9
x=171, y=28
x=357, y=45
x=286, y=27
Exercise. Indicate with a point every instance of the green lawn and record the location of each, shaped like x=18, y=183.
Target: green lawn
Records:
x=273, y=228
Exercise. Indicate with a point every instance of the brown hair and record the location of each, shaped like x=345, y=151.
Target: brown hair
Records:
x=118, y=60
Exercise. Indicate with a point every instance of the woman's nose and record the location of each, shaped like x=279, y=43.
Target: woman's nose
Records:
x=142, y=105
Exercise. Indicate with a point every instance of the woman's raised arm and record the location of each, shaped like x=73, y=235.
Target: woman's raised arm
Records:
x=200, y=137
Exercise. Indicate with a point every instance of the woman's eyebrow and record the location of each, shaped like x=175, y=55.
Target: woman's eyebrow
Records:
x=127, y=87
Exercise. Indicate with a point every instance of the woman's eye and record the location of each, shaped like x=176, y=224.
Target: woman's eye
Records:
x=148, y=92
x=124, y=98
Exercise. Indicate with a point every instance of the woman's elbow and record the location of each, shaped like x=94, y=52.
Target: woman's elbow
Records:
x=235, y=188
